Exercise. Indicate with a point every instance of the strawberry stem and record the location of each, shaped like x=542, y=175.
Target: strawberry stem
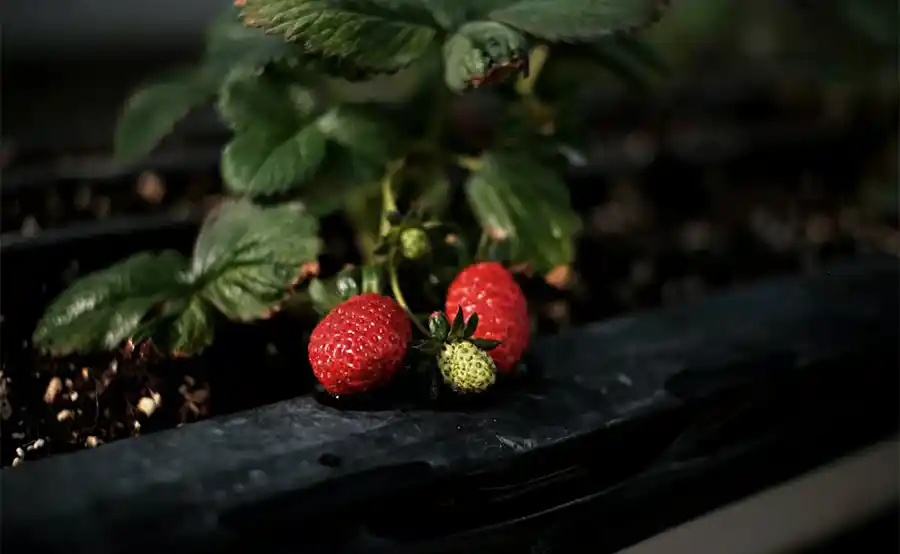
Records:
x=388, y=202
x=398, y=296
x=388, y=206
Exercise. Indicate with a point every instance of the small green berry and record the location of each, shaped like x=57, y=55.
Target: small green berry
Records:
x=414, y=243
x=466, y=368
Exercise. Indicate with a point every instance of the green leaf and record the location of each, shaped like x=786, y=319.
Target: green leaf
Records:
x=230, y=44
x=264, y=161
x=276, y=146
x=248, y=100
x=247, y=257
x=185, y=328
x=341, y=178
x=361, y=130
x=578, y=20
x=324, y=298
x=101, y=310
x=245, y=261
x=192, y=330
x=483, y=52
x=375, y=35
x=385, y=89
x=281, y=143
x=152, y=112
x=518, y=197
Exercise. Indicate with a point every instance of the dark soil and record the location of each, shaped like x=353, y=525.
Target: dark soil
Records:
x=665, y=220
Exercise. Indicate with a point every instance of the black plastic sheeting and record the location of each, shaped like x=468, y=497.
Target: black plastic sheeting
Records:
x=722, y=396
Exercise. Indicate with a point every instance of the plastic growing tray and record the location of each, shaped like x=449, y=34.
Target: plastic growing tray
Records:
x=637, y=424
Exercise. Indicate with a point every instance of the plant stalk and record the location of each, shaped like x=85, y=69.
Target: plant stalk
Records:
x=388, y=205
x=398, y=295
x=388, y=201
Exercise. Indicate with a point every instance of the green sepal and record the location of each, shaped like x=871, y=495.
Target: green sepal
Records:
x=428, y=347
x=458, y=327
x=438, y=326
x=470, y=327
x=486, y=344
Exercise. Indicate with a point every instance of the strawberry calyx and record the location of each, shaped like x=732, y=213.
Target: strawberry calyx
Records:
x=441, y=331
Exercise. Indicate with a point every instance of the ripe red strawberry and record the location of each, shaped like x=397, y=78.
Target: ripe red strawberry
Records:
x=359, y=344
x=488, y=289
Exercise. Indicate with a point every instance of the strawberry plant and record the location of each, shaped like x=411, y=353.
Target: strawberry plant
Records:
x=357, y=108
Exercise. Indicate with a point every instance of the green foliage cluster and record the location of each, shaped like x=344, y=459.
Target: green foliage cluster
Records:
x=348, y=106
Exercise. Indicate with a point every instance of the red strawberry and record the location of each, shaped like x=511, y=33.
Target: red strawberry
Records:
x=359, y=344
x=488, y=289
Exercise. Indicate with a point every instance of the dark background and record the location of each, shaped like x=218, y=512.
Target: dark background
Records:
x=770, y=149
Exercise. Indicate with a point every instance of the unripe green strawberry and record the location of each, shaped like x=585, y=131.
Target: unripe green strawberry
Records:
x=414, y=243
x=466, y=368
